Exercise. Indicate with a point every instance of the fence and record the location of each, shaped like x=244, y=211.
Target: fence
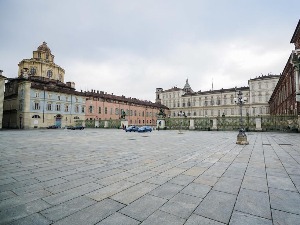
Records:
x=260, y=123
x=99, y=123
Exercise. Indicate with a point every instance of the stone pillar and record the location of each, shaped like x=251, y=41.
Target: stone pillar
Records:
x=192, y=124
x=258, y=124
x=124, y=123
x=160, y=124
x=2, y=84
x=215, y=124
x=298, y=123
x=105, y=124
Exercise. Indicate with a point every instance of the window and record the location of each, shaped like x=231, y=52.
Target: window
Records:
x=36, y=116
x=49, y=73
x=49, y=96
x=32, y=71
x=39, y=55
x=57, y=107
x=105, y=110
x=66, y=108
x=76, y=99
x=134, y=112
x=91, y=109
x=36, y=106
x=37, y=94
x=117, y=111
x=49, y=106
x=83, y=109
x=77, y=108
x=231, y=99
x=99, y=110
x=58, y=97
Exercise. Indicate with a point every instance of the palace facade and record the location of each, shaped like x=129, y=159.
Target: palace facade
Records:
x=39, y=97
x=285, y=99
x=214, y=103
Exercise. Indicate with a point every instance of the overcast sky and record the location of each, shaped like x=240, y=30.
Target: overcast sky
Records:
x=131, y=47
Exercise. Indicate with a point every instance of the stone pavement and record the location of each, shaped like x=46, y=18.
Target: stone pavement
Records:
x=99, y=176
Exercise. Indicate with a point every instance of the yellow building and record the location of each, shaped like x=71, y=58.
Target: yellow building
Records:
x=41, y=65
x=38, y=97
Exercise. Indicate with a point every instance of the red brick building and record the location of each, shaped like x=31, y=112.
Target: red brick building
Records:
x=285, y=99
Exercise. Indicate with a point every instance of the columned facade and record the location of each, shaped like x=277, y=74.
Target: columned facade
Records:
x=285, y=99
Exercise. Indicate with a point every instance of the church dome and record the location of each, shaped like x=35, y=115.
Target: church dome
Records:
x=44, y=47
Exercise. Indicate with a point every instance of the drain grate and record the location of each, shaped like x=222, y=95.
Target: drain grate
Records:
x=266, y=144
x=131, y=139
x=285, y=144
x=145, y=136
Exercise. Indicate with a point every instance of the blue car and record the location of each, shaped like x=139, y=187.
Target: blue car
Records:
x=145, y=129
x=132, y=128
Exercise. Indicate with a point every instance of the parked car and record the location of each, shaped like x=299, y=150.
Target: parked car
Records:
x=132, y=128
x=145, y=129
x=52, y=127
x=75, y=128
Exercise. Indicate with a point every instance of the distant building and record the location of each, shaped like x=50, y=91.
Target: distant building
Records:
x=214, y=103
x=103, y=106
x=285, y=99
x=39, y=97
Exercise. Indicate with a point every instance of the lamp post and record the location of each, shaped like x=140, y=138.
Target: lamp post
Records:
x=181, y=114
x=241, y=137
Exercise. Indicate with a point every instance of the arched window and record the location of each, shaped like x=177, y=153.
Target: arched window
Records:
x=49, y=74
x=32, y=71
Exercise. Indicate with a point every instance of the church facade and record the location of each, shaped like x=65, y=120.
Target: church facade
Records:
x=39, y=97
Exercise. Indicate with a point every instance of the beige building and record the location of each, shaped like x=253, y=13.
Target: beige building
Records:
x=2, y=84
x=39, y=97
x=214, y=103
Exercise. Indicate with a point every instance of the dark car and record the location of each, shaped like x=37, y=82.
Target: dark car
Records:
x=132, y=128
x=77, y=128
x=145, y=129
x=52, y=127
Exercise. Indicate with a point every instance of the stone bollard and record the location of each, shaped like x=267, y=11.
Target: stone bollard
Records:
x=258, y=124
x=192, y=124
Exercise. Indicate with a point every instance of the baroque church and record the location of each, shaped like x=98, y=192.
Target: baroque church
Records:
x=39, y=97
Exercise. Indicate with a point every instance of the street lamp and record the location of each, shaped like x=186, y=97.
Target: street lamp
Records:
x=181, y=114
x=241, y=137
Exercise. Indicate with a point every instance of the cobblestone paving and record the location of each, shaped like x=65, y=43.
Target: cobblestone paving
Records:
x=99, y=176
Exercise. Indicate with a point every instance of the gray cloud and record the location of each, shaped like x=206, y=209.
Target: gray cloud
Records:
x=132, y=47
